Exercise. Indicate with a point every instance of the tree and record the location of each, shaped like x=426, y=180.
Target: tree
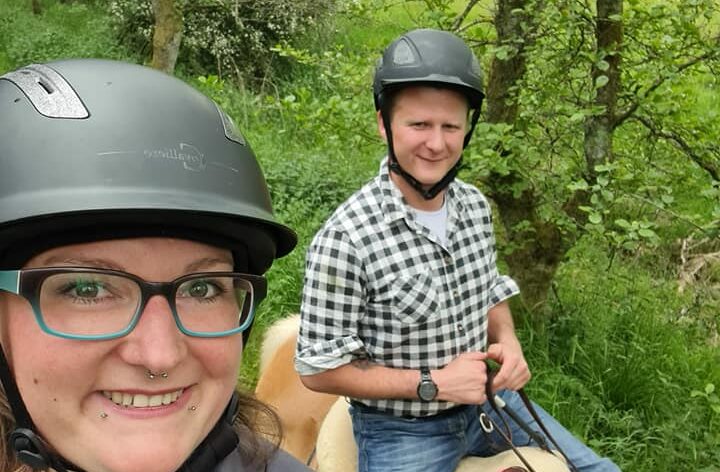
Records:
x=559, y=98
x=167, y=34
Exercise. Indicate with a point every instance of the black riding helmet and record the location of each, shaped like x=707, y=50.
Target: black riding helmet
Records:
x=427, y=57
x=97, y=149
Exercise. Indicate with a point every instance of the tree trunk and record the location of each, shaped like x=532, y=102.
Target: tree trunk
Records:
x=36, y=7
x=167, y=36
x=606, y=78
x=537, y=244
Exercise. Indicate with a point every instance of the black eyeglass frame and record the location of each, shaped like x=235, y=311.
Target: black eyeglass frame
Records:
x=27, y=283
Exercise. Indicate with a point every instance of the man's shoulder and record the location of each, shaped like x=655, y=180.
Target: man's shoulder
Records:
x=468, y=193
x=362, y=207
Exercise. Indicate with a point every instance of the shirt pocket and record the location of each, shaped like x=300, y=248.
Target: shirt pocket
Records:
x=415, y=299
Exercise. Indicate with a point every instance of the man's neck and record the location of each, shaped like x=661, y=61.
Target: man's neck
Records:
x=413, y=197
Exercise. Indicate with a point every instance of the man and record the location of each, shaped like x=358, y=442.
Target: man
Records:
x=403, y=304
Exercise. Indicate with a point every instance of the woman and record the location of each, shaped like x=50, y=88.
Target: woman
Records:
x=135, y=226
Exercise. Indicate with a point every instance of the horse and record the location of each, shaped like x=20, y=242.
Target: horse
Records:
x=317, y=428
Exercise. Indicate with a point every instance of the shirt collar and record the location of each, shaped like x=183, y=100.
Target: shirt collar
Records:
x=393, y=203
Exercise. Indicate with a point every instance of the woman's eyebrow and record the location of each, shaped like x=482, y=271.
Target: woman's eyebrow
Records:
x=80, y=262
x=208, y=262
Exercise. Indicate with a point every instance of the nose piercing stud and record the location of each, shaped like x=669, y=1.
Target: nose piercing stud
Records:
x=152, y=375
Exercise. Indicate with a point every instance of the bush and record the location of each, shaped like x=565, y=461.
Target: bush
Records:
x=62, y=31
x=231, y=38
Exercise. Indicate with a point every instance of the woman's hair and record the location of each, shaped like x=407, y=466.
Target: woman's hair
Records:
x=258, y=428
x=8, y=461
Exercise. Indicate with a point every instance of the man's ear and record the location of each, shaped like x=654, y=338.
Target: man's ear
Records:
x=381, y=126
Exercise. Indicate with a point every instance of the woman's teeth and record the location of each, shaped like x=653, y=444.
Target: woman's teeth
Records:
x=139, y=400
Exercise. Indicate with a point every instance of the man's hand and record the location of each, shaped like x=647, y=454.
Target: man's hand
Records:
x=463, y=380
x=514, y=372
x=505, y=349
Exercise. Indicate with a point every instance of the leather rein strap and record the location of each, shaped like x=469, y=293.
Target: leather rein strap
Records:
x=498, y=404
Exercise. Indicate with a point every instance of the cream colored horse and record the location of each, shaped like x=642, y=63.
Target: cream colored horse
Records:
x=317, y=427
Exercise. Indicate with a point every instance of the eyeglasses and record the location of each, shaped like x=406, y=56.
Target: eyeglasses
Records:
x=97, y=304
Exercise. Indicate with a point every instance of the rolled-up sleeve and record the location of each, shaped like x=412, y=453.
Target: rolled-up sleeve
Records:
x=332, y=303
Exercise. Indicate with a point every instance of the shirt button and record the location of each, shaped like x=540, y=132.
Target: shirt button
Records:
x=460, y=328
x=448, y=259
x=456, y=294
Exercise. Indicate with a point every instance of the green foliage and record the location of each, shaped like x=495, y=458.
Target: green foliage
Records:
x=670, y=123
x=230, y=38
x=618, y=349
x=61, y=31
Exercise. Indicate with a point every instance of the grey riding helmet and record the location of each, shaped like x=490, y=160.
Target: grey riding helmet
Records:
x=96, y=149
x=427, y=56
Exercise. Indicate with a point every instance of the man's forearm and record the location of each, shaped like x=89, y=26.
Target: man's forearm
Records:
x=500, y=324
x=362, y=379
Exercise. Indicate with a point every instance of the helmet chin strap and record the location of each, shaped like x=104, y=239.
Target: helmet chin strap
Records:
x=442, y=184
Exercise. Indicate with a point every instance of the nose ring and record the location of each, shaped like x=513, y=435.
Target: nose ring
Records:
x=152, y=375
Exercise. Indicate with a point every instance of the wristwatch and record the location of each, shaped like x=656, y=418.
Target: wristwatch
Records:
x=427, y=389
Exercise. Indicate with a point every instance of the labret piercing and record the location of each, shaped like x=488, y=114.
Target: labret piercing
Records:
x=103, y=415
x=151, y=375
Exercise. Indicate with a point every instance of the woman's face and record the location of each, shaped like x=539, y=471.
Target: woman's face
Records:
x=71, y=388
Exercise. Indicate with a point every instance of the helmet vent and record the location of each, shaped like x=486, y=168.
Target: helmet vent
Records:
x=48, y=91
x=403, y=53
x=231, y=131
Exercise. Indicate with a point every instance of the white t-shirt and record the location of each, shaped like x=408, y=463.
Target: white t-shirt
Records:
x=435, y=221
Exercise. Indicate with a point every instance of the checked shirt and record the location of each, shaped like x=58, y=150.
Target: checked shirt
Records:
x=381, y=286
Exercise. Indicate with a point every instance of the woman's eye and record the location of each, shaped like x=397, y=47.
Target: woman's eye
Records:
x=202, y=289
x=86, y=290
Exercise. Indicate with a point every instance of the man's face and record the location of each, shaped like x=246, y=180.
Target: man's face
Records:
x=428, y=129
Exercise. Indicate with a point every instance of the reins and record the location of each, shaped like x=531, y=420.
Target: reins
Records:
x=497, y=404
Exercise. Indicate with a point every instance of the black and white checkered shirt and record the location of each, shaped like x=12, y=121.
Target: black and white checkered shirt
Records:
x=381, y=286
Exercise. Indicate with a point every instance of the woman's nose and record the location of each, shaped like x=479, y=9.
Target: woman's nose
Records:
x=156, y=343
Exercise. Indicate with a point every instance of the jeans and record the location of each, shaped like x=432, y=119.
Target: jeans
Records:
x=388, y=443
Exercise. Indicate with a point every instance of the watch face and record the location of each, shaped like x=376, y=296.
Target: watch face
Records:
x=427, y=390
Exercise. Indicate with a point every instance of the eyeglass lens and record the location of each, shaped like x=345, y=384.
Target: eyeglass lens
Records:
x=95, y=304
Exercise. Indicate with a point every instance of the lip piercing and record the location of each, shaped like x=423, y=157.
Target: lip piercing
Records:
x=152, y=375
x=103, y=415
x=192, y=408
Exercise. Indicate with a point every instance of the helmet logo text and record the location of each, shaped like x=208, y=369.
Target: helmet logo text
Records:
x=189, y=155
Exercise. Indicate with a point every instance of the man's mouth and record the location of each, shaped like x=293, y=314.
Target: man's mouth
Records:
x=139, y=400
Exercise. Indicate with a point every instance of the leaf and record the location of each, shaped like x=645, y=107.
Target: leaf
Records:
x=601, y=81
x=623, y=223
x=647, y=233
x=595, y=218
x=709, y=388
x=603, y=65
